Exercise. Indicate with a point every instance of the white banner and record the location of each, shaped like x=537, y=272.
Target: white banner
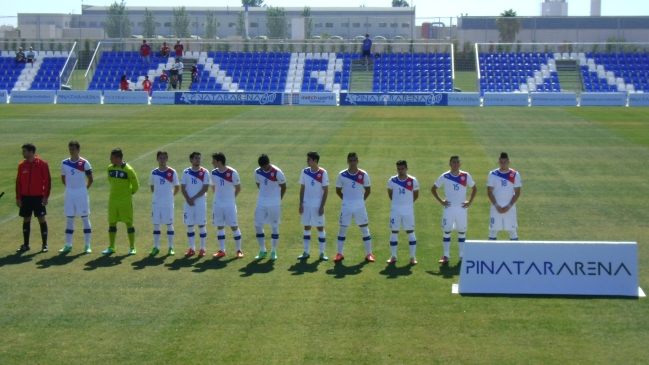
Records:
x=553, y=99
x=506, y=99
x=640, y=99
x=559, y=268
x=78, y=97
x=33, y=97
x=163, y=97
x=314, y=99
x=603, y=99
x=463, y=99
x=4, y=97
x=126, y=97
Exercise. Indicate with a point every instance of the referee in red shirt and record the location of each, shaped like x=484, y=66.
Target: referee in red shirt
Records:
x=33, y=186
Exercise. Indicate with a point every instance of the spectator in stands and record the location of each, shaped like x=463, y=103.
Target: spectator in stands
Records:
x=146, y=85
x=165, y=50
x=179, y=49
x=145, y=52
x=20, y=56
x=194, y=72
x=123, y=83
x=178, y=67
x=31, y=55
x=164, y=77
x=367, y=49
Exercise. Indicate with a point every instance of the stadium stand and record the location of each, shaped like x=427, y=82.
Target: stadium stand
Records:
x=115, y=64
x=518, y=72
x=610, y=72
x=43, y=74
x=413, y=72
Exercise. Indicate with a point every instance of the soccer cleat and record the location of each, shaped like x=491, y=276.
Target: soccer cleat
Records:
x=66, y=249
x=239, y=254
x=273, y=255
x=413, y=261
x=201, y=253
x=304, y=256
x=219, y=254
x=392, y=260
x=132, y=251
x=108, y=251
x=44, y=249
x=370, y=258
x=443, y=260
x=339, y=257
x=154, y=252
x=261, y=256
x=323, y=257
x=171, y=251
x=23, y=248
x=190, y=252
x=87, y=249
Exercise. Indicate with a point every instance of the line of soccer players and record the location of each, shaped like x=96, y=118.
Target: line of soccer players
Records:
x=352, y=186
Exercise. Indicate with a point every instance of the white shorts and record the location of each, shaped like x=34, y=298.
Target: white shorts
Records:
x=77, y=204
x=358, y=213
x=506, y=221
x=162, y=214
x=454, y=219
x=310, y=217
x=224, y=216
x=196, y=215
x=405, y=220
x=268, y=215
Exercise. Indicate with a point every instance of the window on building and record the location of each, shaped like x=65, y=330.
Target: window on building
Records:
x=167, y=24
x=82, y=24
x=254, y=25
x=367, y=25
x=394, y=25
x=318, y=25
x=232, y=25
x=93, y=24
x=344, y=25
x=383, y=25
x=194, y=24
x=329, y=25
x=405, y=25
x=356, y=25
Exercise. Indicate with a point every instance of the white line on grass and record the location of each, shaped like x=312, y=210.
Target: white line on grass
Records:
x=151, y=152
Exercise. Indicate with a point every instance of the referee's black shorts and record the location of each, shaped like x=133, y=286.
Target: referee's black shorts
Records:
x=32, y=205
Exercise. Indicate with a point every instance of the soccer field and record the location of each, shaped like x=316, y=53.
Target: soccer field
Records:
x=584, y=178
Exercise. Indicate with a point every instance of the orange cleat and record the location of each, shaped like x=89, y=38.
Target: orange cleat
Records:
x=370, y=258
x=189, y=253
x=201, y=253
x=219, y=254
x=239, y=254
x=339, y=257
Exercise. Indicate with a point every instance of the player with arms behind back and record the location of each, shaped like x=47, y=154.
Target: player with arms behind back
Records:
x=226, y=185
x=76, y=175
x=503, y=189
x=403, y=190
x=314, y=188
x=164, y=185
x=271, y=183
x=123, y=184
x=194, y=184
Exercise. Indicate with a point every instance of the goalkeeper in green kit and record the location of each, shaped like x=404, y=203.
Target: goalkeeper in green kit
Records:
x=123, y=184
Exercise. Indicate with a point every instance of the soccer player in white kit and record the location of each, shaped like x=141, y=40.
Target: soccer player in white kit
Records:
x=271, y=183
x=314, y=188
x=455, y=182
x=226, y=185
x=194, y=184
x=164, y=186
x=353, y=187
x=503, y=189
x=402, y=213
x=76, y=175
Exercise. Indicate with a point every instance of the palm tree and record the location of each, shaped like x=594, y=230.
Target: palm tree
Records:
x=508, y=26
x=400, y=4
x=252, y=3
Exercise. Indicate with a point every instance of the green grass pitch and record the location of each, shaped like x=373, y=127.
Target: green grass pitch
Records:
x=584, y=178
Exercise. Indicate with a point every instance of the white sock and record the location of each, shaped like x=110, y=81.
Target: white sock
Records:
x=69, y=230
x=367, y=239
x=86, y=230
x=306, y=240
x=342, y=234
x=322, y=239
x=220, y=235
x=170, y=235
x=156, y=236
x=412, y=243
x=513, y=236
x=260, y=238
x=394, y=240
x=274, y=236
x=447, y=244
x=237, y=238
x=461, y=237
x=203, y=236
x=190, y=236
x=493, y=235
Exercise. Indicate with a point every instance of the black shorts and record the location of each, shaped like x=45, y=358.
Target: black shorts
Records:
x=32, y=204
x=367, y=53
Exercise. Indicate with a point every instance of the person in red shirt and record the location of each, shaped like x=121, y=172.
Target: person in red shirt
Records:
x=145, y=52
x=179, y=48
x=165, y=50
x=33, y=186
x=123, y=84
x=146, y=85
x=164, y=77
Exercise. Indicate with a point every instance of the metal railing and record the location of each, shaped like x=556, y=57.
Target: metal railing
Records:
x=69, y=67
x=92, y=66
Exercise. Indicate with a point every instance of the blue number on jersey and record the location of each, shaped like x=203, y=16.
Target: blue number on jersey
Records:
x=504, y=182
x=72, y=172
x=162, y=181
x=443, y=221
x=354, y=185
x=391, y=220
x=312, y=182
x=194, y=181
x=222, y=182
x=456, y=186
x=493, y=221
x=402, y=191
x=265, y=181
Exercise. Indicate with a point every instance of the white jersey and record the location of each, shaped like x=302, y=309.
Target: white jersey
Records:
x=353, y=186
x=75, y=173
x=455, y=187
x=163, y=183
x=195, y=180
x=402, y=193
x=504, y=184
x=224, y=182
x=313, y=183
x=269, y=191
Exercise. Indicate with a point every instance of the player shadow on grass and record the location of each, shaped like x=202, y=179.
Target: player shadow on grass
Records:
x=446, y=271
x=182, y=262
x=257, y=267
x=59, y=260
x=104, y=261
x=213, y=264
x=301, y=267
x=17, y=258
x=149, y=261
x=339, y=270
x=391, y=271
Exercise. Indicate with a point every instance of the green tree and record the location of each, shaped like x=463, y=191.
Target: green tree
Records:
x=148, y=24
x=118, y=22
x=180, y=24
x=400, y=4
x=508, y=26
x=211, y=26
x=308, y=22
x=241, y=24
x=252, y=3
x=276, y=25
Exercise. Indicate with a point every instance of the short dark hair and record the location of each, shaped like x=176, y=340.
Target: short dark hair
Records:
x=29, y=147
x=74, y=144
x=162, y=152
x=194, y=154
x=453, y=158
x=504, y=155
x=144, y=41
x=263, y=160
x=117, y=153
x=402, y=163
x=351, y=154
x=367, y=35
x=219, y=156
x=313, y=155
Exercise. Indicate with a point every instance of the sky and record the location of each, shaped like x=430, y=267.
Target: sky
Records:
x=425, y=8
